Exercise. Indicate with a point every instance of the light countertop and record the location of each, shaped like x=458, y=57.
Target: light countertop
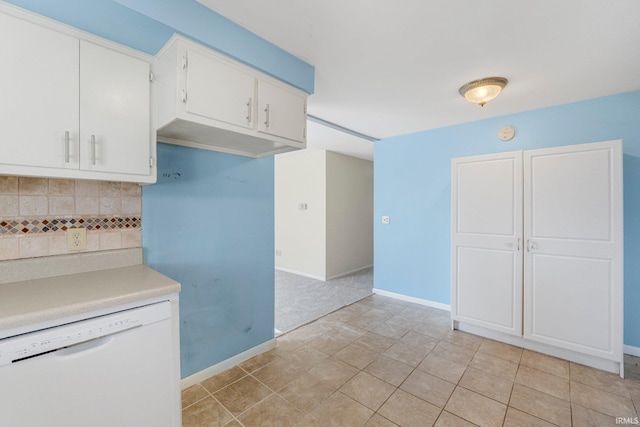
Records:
x=30, y=302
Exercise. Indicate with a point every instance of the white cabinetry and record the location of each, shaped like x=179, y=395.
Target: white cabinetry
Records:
x=537, y=250
x=71, y=108
x=40, y=94
x=218, y=90
x=208, y=101
x=114, y=111
x=281, y=112
x=487, y=241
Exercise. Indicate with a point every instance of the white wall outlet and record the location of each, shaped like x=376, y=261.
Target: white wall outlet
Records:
x=278, y=252
x=76, y=239
x=386, y=219
x=302, y=206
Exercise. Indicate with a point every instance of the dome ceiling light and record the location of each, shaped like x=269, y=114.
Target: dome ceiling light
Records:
x=483, y=90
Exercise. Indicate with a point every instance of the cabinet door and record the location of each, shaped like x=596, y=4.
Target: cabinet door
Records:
x=573, y=263
x=218, y=90
x=486, y=206
x=38, y=95
x=114, y=111
x=281, y=112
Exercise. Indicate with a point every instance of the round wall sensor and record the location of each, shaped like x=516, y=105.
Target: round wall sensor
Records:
x=506, y=133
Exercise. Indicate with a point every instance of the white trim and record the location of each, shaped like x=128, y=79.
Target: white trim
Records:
x=520, y=341
x=226, y=364
x=299, y=273
x=346, y=273
x=415, y=300
x=324, y=278
x=631, y=350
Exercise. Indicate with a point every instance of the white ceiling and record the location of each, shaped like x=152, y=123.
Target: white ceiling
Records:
x=321, y=137
x=385, y=68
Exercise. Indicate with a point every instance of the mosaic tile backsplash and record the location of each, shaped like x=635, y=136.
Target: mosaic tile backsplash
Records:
x=36, y=212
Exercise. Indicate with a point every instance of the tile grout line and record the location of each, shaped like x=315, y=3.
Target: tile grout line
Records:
x=458, y=385
x=307, y=344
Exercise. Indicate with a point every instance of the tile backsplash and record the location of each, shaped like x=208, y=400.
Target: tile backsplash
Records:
x=36, y=212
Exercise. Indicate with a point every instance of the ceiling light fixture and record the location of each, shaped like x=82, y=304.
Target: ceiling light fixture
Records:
x=483, y=90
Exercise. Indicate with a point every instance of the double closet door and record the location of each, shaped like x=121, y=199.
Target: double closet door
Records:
x=537, y=245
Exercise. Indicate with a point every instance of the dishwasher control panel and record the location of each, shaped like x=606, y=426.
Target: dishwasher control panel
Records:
x=25, y=346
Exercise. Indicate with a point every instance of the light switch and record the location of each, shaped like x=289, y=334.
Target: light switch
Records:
x=386, y=219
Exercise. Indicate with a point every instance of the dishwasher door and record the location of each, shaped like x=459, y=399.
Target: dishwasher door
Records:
x=121, y=379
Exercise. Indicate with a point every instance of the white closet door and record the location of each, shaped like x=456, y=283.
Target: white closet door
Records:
x=573, y=259
x=486, y=207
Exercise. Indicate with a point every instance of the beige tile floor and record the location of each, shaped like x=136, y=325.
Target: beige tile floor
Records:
x=383, y=362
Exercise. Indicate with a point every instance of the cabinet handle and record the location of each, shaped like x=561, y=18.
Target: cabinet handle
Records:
x=66, y=146
x=266, y=122
x=249, y=105
x=531, y=245
x=518, y=244
x=93, y=149
x=184, y=96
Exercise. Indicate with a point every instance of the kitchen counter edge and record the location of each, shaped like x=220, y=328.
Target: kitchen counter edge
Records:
x=38, y=301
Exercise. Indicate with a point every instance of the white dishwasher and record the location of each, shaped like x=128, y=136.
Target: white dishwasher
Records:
x=115, y=370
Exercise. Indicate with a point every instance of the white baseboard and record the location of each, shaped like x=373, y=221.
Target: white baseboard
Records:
x=299, y=273
x=415, y=300
x=519, y=341
x=323, y=278
x=346, y=273
x=226, y=364
x=633, y=351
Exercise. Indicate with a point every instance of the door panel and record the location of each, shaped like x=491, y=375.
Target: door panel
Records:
x=572, y=301
x=281, y=112
x=486, y=206
x=219, y=91
x=573, y=233
x=38, y=95
x=485, y=291
x=481, y=211
x=115, y=109
x=571, y=196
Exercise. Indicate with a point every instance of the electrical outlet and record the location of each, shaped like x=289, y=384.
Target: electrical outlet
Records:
x=278, y=252
x=386, y=219
x=76, y=239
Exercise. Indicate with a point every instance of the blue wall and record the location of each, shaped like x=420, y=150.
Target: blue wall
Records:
x=412, y=182
x=146, y=25
x=208, y=223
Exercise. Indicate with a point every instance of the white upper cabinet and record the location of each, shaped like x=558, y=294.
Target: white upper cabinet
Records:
x=209, y=101
x=72, y=108
x=217, y=90
x=39, y=101
x=281, y=112
x=115, y=111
